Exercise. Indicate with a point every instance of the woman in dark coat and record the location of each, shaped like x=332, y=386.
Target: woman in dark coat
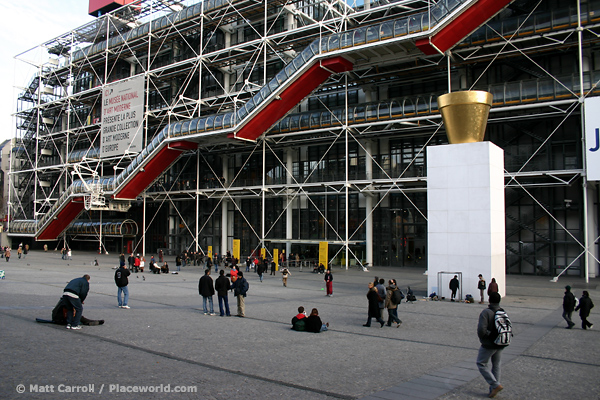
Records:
x=374, y=299
x=493, y=287
x=584, y=307
x=313, y=322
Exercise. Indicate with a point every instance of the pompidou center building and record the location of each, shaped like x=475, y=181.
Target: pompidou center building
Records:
x=244, y=125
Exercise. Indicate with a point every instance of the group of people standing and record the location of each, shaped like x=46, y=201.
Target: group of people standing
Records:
x=239, y=285
x=492, y=288
x=66, y=254
x=380, y=298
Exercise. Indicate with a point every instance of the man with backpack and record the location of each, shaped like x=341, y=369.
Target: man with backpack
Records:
x=392, y=300
x=495, y=331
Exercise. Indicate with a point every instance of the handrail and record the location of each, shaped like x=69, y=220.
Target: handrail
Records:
x=419, y=22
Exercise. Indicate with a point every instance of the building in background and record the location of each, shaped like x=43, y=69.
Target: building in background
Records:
x=186, y=125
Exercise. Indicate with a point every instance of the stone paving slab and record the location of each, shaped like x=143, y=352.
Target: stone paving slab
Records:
x=166, y=340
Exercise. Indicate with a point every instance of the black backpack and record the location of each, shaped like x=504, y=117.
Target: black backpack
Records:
x=397, y=296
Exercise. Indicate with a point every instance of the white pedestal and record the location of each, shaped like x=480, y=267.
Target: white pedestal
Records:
x=465, y=212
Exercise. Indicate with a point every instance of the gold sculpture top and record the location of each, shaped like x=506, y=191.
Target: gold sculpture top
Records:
x=465, y=115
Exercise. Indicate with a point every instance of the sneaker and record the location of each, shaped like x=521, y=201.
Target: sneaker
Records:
x=76, y=327
x=126, y=307
x=205, y=313
x=366, y=325
x=495, y=391
x=120, y=306
x=591, y=326
x=212, y=313
x=68, y=326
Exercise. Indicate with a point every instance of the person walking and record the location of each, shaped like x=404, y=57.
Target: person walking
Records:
x=273, y=267
x=481, y=286
x=584, y=307
x=568, y=306
x=7, y=254
x=207, y=290
x=19, y=251
x=381, y=292
x=240, y=290
x=74, y=295
x=329, y=282
x=391, y=304
x=122, y=281
x=285, y=273
x=374, y=310
x=454, y=285
x=260, y=269
x=222, y=286
x=489, y=350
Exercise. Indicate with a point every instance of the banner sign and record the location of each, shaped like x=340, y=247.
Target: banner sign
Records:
x=324, y=254
x=122, y=117
x=236, y=248
x=592, y=138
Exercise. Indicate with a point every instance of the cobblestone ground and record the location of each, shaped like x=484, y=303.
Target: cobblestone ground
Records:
x=164, y=342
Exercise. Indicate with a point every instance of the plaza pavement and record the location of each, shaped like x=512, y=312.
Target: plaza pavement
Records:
x=164, y=339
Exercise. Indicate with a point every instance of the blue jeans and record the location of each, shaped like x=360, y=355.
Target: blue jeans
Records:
x=224, y=299
x=73, y=304
x=260, y=277
x=210, y=302
x=491, y=376
x=125, y=291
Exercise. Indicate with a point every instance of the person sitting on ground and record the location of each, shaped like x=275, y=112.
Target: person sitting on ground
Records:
x=59, y=316
x=165, y=268
x=319, y=269
x=410, y=296
x=301, y=315
x=314, y=324
x=155, y=268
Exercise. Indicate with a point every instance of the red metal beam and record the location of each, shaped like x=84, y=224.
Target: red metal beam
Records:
x=472, y=18
x=153, y=169
x=291, y=96
x=62, y=220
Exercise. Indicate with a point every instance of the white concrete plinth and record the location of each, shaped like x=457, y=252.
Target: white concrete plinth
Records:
x=465, y=212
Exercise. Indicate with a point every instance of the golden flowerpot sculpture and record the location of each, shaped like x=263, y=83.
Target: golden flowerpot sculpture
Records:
x=465, y=115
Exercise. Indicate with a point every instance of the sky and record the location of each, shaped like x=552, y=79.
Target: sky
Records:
x=25, y=25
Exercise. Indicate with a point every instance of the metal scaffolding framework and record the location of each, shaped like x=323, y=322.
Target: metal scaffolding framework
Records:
x=289, y=123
